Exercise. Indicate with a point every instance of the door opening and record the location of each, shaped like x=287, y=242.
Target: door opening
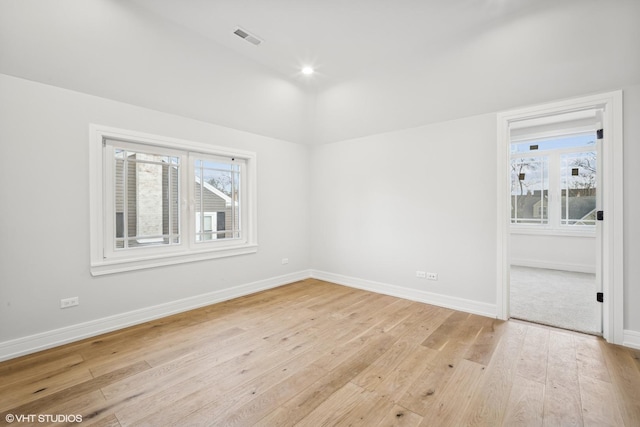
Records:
x=548, y=206
x=554, y=197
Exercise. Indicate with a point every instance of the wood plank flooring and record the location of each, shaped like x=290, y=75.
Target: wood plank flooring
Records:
x=317, y=354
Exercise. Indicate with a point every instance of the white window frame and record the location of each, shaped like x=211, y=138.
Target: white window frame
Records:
x=219, y=243
x=554, y=226
x=109, y=250
x=104, y=260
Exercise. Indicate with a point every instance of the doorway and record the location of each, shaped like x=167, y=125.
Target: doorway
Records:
x=554, y=198
x=536, y=126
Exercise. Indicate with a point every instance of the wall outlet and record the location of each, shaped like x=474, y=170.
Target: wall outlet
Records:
x=421, y=274
x=432, y=276
x=69, y=302
x=285, y=261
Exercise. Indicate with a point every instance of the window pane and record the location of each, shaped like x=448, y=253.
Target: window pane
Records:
x=207, y=223
x=529, y=190
x=171, y=218
x=217, y=200
x=571, y=141
x=578, y=180
x=146, y=199
x=119, y=194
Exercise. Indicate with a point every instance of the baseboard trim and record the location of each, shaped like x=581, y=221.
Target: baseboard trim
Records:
x=578, y=268
x=56, y=337
x=631, y=339
x=53, y=338
x=455, y=303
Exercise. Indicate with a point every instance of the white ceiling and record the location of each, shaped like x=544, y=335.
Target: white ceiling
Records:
x=341, y=39
x=382, y=65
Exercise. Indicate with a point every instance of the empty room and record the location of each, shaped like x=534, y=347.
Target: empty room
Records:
x=279, y=213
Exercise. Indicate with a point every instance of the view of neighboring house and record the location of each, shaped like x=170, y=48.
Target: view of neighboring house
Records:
x=150, y=203
x=213, y=212
x=532, y=208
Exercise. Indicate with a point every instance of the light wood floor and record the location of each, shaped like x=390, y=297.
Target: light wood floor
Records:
x=314, y=353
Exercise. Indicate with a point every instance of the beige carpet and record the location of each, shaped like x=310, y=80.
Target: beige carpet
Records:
x=563, y=299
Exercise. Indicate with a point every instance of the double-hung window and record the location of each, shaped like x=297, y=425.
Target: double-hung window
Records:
x=158, y=201
x=553, y=184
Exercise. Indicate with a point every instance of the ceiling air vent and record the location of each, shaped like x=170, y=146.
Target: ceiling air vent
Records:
x=247, y=36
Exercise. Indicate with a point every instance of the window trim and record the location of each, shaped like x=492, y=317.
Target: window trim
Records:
x=185, y=252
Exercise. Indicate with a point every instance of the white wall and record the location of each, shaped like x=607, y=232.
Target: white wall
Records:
x=570, y=253
x=632, y=210
x=571, y=49
x=423, y=199
x=44, y=213
x=118, y=51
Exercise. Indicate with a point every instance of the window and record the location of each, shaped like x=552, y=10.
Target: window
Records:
x=578, y=187
x=143, y=196
x=553, y=183
x=217, y=195
x=529, y=190
x=159, y=201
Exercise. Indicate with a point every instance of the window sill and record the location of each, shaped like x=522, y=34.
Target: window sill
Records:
x=129, y=264
x=552, y=232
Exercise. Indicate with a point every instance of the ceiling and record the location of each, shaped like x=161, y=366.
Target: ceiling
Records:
x=341, y=39
x=382, y=65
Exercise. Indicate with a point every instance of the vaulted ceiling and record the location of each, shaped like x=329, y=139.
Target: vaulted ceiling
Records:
x=341, y=39
x=381, y=65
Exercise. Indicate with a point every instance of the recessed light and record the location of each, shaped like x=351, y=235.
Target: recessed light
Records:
x=307, y=70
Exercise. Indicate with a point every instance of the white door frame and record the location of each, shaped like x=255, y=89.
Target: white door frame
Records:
x=612, y=185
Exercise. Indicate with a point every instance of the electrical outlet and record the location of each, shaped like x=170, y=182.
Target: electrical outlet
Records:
x=285, y=261
x=421, y=274
x=69, y=302
x=432, y=276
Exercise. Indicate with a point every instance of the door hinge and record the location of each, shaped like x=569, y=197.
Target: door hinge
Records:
x=600, y=215
x=599, y=297
x=600, y=133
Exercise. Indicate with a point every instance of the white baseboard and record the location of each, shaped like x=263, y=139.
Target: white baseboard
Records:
x=631, y=339
x=578, y=268
x=44, y=340
x=460, y=304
